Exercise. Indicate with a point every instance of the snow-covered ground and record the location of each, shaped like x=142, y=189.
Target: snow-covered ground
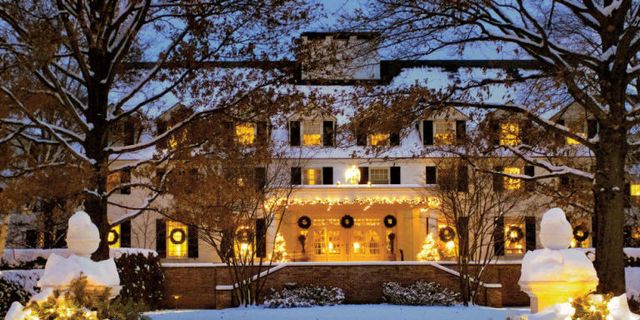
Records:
x=343, y=312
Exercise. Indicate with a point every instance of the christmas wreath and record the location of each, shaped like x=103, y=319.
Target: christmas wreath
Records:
x=580, y=233
x=304, y=222
x=390, y=221
x=346, y=221
x=177, y=236
x=446, y=234
x=113, y=237
x=515, y=234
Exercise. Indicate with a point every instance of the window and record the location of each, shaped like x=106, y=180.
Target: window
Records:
x=379, y=175
x=176, y=240
x=312, y=135
x=246, y=133
x=635, y=189
x=509, y=132
x=115, y=179
x=514, y=238
x=444, y=132
x=113, y=239
x=576, y=127
x=312, y=176
x=379, y=139
x=512, y=183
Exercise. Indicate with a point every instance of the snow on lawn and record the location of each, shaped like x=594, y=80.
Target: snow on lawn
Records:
x=346, y=312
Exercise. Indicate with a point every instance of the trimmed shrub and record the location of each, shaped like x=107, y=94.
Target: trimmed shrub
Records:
x=420, y=293
x=10, y=292
x=304, y=297
x=142, y=278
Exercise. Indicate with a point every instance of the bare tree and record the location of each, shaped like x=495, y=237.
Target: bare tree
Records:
x=586, y=51
x=55, y=47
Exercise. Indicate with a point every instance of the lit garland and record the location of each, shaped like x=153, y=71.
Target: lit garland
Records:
x=431, y=202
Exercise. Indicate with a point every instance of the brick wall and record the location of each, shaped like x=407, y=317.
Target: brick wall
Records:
x=362, y=283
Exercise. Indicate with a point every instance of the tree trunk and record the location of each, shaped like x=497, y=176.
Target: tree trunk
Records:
x=608, y=191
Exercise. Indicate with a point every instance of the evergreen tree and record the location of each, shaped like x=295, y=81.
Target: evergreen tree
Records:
x=429, y=250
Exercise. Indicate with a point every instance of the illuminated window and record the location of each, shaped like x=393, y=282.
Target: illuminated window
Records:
x=509, y=132
x=113, y=238
x=635, y=189
x=444, y=132
x=327, y=242
x=312, y=135
x=312, y=176
x=379, y=175
x=373, y=242
x=379, y=139
x=512, y=183
x=576, y=127
x=245, y=133
x=113, y=180
x=514, y=239
x=176, y=240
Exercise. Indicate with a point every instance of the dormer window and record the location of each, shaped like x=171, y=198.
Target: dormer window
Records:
x=312, y=133
x=444, y=132
x=586, y=130
x=245, y=133
x=379, y=139
x=509, y=133
x=512, y=183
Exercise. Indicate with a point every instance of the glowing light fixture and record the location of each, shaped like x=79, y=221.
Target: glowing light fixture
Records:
x=352, y=175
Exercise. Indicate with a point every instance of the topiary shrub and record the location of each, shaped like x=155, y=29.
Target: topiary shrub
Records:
x=304, y=297
x=10, y=292
x=420, y=293
x=141, y=278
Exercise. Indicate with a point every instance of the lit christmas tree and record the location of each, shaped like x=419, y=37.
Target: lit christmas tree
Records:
x=279, y=249
x=429, y=250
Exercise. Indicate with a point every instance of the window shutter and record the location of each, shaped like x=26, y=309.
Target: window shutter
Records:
x=262, y=132
x=463, y=179
x=394, y=173
x=327, y=175
x=525, y=131
x=361, y=136
x=627, y=195
x=261, y=238
x=529, y=185
x=494, y=131
x=125, y=177
x=129, y=133
x=125, y=234
x=31, y=238
x=296, y=175
x=364, y=175
x=498, y=237
x=260, y=176
x=394, y=139
x=560, y=138
x=226, y=244
x=161, y=238
x=228, y=133
x=592, y=128
x=431, y=175
x=530, y=232
x=565, y=182
x=498, y=180
x=463, y=233
x=328, y=134
x=192, y=241
x=461, y=131
x=294, y=133
x=427, y=132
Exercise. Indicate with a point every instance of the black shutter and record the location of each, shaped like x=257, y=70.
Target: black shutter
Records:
x=592, y=128
x=364, y=175
x=529, y=185
x=431, y=175
x=262, y=132
x=394, y=138
x=361, y=136
x=498, y=180
x=229, y=133
x=125, y=234
x=129, y=133
x=31, y=239
x=560, y=138
x=328, y=135
x=565, y=182
x=294, y=133
x=627, y=195
x=463, y=233
x=461, y=131
x=260, y=176
x=394, y=173
x=463, y=179
x=498, y=237
x=192, y=241
x=161, y=238
x=226, y=244
x=296, y=175
x=530, y=232
x=261, y=238
x=427, y=132
x=525, y=129
x=327, y=175
x=125, y=177
x=494, y=131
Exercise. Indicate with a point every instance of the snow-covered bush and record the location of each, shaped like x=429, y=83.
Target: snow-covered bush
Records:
x=27, y=279
x=9, y=292
x=304, y=297
x=420, y=293
x=142, y=278
x=36, y=263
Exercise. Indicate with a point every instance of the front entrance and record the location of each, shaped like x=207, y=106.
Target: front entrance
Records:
x=366, y=240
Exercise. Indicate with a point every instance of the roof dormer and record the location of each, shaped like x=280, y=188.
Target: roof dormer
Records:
x=444, y=127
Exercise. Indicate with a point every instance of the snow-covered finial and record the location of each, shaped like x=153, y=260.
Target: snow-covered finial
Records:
x=83, y=236
x=555, y=230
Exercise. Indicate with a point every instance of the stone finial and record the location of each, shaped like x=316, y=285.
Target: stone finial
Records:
x=555, y=230
x=83, y=236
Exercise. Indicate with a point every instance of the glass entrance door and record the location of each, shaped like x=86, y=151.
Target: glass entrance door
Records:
x=365, y=241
